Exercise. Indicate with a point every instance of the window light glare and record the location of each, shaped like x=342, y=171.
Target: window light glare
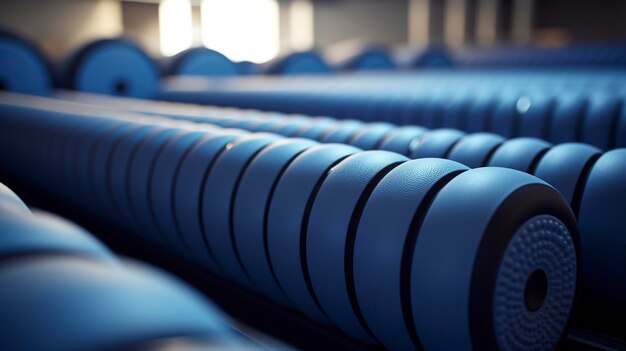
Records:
x=175, y=26
x=243, y=30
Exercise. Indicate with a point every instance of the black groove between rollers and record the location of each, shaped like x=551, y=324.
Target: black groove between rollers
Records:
x=231, y=209
x=490, y=154
x=614, y=126
x=547, y=120
x=172, y=196
x=448, y=151
x=107, y=163
x=581, y=117
x=409, y=250
x=383, y=139
x=130, y=162
x=266, y=212
x=535, y=162
x=200, y=206
x=304, y=230
x=353, y=226
x=581, y=184
x=153, y=163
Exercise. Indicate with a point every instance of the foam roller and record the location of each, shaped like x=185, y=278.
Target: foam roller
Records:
x=22, y=68
x=387, y=232
x=200, y=62
x=305, y=62
x=188, y=196
x=472, y=303
x=251, y=202
x=23, y=233
x=216, y=207
x=567, y=167
x=288, y=216
x=111, y=67
x=87, y=305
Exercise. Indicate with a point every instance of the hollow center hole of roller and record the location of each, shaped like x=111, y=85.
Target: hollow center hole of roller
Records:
x=536, y=289
x=121, y=87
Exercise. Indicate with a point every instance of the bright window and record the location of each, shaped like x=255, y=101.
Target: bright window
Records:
x=243, y=30
x=175, y=26
x=301, y=25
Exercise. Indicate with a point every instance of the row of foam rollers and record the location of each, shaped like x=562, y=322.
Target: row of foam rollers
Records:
x=63, y=290
x=592, y=181
x=578, y=55
x=409, y=253
x=567, y=106
x=474, y=104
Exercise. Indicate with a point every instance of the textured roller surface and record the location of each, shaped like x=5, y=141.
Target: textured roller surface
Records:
x=331, y=233
x=250, y=210
x=490, y=255
x=218, y=194
x=288, y=223
x=386, y=233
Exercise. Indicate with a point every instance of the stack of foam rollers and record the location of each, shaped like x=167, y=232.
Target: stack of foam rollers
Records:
x=363, y=226
x=64, y=290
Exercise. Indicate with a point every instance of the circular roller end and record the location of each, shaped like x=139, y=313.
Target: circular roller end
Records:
x=535, y=286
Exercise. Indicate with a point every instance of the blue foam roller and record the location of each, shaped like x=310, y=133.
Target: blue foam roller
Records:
x=9, y=197
x=535, y=120
x=474, y=150
x=163, y=186
x=506, y=115
x=188, y=196
x=343, y=132
x=599, y=124
x=332, y=228
x=478, y=278
x=316, y=130
x=305, y=62
x=88, y=305
x=565, y=166
x=386, y=233
x=111, y=67
x=288, y=220
x=23, y=233
x=139, y=173
x=82, y=156
x=22, y=67
x=521, y=154
x=250, y=211
x=100, y=166
x=400, y=139
x=567, y=120
x=220, y=188
x=478, y=115
x=292, y=126
x=602, y=230
x=118, y=177
x=436, y=143
x=201, y=61
x=455, y=114
x=370, y=136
